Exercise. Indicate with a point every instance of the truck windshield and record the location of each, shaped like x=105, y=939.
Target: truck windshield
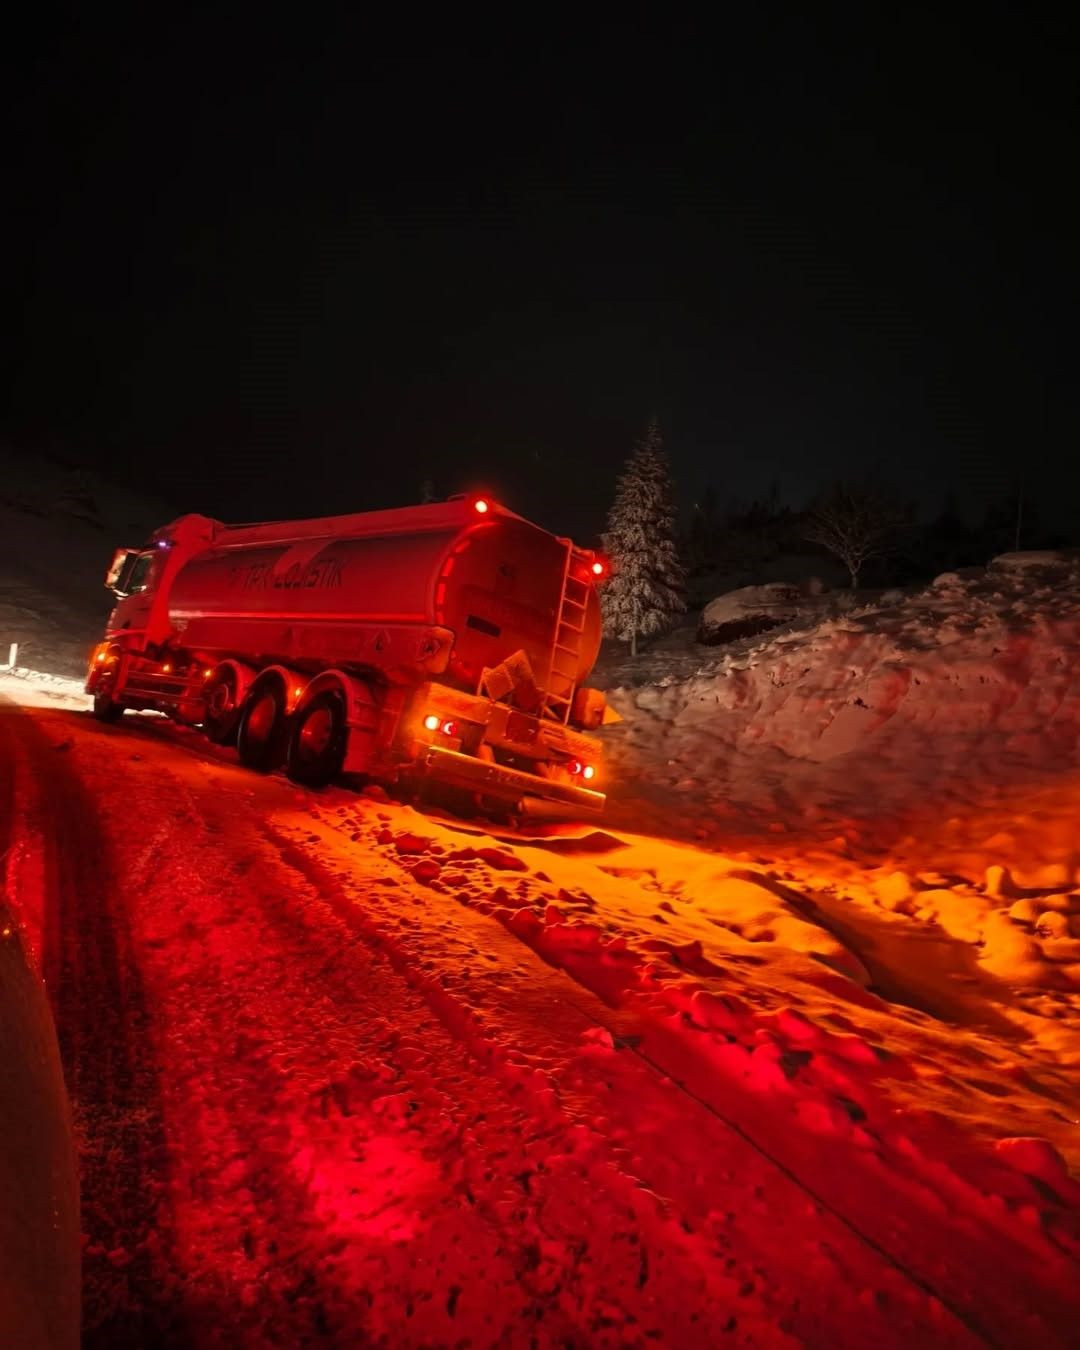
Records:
x=136, y=575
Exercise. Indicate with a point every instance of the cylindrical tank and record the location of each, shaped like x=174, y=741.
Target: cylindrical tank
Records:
x=301, y=593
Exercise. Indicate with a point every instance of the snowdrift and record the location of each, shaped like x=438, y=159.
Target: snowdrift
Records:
x=981, y=664
x=925, y=751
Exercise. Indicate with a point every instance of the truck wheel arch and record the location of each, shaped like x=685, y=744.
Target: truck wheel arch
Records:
x=225, y=690
x=242, y=676
x=361, y=704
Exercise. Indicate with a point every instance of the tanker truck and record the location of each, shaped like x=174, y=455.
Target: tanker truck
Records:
x=446, y=643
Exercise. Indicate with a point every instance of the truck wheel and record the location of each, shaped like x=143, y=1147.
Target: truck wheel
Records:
x=106, y=710
x=317, y=741
x=261, y=734
x=222, y=716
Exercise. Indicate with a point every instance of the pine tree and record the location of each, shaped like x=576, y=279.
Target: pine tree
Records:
x=647, y=587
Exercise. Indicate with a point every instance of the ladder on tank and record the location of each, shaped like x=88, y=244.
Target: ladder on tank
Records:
x=565, y=662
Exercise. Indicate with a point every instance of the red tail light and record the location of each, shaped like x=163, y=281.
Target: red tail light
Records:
x=579, y=770
x=481, y=505
x=449, y=728
x=598, y=568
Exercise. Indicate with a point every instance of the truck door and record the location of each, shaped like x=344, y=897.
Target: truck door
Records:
x=133, y=585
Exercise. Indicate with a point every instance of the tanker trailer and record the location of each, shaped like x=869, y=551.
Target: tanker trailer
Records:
x=447, y=642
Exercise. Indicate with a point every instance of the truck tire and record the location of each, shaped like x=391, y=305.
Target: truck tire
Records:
x=106, y=709
x=222, y=716
x=317, y=741
x=260, y=738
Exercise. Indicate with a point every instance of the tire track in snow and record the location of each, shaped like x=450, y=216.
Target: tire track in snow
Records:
x=106, y=1046
x=630, y=1031
x=908, y=1220
x=332, y=976
x=500, y=1138
x=903, y=1215
x=600, y=1219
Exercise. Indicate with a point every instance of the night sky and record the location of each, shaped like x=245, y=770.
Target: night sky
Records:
x=275, y=271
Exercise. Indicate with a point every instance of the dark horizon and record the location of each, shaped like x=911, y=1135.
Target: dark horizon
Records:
x=266, y=276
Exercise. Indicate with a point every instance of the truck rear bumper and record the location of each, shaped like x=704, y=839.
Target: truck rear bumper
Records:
x=480, y=775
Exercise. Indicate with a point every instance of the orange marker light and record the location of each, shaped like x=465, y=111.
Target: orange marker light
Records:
x=297, y=692
x=206, y=674
x=166, y=667
x=431, y=722
x=481, y=505
x=101, y=656
x=588, y=771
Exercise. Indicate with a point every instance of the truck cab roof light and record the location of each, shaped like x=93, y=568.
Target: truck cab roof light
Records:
x=482, y=505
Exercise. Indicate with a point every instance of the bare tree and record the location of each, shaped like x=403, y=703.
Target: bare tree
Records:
x=855, y=524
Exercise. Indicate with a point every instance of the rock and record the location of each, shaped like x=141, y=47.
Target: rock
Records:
x=748, y=611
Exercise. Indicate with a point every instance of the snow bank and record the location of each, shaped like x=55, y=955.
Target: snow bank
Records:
x=932, y=738
x=35, y=689
x=931, y=674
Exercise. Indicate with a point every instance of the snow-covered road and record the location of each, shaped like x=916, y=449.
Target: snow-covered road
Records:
x=344, y=1073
